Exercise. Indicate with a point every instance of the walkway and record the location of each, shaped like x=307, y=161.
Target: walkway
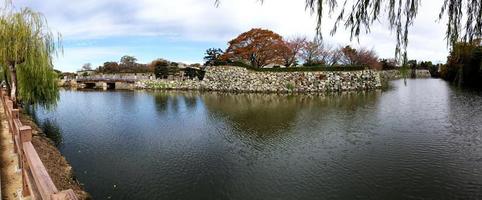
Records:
x=11, y=179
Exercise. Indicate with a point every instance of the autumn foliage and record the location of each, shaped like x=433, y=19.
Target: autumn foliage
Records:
x=360, y=56
x=259, y=47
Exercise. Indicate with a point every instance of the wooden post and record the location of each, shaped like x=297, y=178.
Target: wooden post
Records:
x=64, y=195
x=25, y=134
x=25, y=179
x=13, y=127
x=15, y=115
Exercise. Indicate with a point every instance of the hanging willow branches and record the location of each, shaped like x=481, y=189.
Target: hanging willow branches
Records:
x=464, y=17
x=27, y=47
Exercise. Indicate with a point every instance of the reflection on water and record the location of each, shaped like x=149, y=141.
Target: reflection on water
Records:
x=271, y=114
x=48, y=126
x=419, y=141
x=52, y=131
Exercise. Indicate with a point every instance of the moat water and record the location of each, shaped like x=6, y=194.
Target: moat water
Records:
x=422, y=140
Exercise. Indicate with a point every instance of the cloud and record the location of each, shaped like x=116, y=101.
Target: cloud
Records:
x=198, y=24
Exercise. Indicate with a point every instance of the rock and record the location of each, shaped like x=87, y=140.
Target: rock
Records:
x=237, y=79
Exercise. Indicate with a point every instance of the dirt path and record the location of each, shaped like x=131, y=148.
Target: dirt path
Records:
x=11, y=178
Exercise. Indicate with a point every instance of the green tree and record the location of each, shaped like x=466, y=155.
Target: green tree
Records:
x=27, y=46
x=161, y=68
x=212, y=56
x=464, y=64
x=357, y=16
x=128, y=60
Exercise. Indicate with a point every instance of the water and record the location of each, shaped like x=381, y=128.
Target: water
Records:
x=420, y=141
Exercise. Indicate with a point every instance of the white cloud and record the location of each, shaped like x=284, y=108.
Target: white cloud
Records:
x=81, y=55
x=201, y=21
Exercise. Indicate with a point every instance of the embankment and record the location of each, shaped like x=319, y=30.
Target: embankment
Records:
x=57, y=166
x=237, y=79
x=396, y=74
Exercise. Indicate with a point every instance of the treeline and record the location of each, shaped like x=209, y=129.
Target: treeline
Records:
x=464, y=64
x=259, y=47
x=127, y=64
x=162, y=68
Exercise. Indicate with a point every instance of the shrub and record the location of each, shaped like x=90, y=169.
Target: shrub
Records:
x=192, y=73
x=464, y=64
x=388, y=64
x=433, y=69
x=290, y=86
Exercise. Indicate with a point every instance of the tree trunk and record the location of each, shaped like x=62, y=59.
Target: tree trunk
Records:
x=13, y=84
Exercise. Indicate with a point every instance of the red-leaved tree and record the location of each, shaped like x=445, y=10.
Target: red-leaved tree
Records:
x=259, y=47
x=360, y=56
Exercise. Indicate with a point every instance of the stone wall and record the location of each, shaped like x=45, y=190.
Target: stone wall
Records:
x=395, y=74
x=237, y=79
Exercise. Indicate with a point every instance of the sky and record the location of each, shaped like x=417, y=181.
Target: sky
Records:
x=97, y=31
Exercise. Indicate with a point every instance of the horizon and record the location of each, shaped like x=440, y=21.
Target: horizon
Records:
x=100, y=32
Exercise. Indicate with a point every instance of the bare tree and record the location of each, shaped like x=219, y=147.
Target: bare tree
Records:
x=87, y=66
x=294, y=46
x=311, y=52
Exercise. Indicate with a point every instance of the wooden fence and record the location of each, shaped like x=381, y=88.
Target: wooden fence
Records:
x=36, y=181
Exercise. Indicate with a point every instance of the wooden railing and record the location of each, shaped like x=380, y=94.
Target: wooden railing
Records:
x=36, y=181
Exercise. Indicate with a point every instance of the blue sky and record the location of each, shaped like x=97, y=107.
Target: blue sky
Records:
x=96, y=31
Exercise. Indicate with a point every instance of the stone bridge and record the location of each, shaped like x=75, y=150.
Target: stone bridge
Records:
x=106, y=82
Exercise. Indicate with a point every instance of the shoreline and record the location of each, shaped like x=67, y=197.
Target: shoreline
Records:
x=57, y=166
x=240, y=80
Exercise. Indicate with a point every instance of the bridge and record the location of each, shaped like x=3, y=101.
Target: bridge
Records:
x=111, y=82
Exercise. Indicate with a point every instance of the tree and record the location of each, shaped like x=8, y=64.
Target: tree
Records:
x=293, y=50
x=161, y=68
x=259, y=47
x=368, y=58
x=362, y=56
x=128, y=60
x=87, y=66
x=412, y=64
x=318, y=53
x=464, y=64
x=349, y=56
x=464, y=18
x=127, y=65
x=212, y=56
x=109, y=67
x=425, y=65
x=388, y=64
x=27, y=47
x=311, y=52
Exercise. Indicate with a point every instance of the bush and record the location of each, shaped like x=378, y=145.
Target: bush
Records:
x=388, y=64
x=434, y=71
x=163, y=68
x=464, y=65
x=192, y=73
